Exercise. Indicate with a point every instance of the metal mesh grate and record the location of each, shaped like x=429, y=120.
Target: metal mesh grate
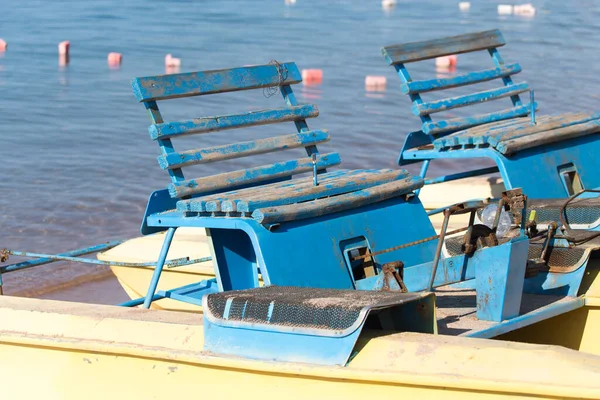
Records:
x=454, y=244
x=297, y=307
x=560, y=258
x=579, y=211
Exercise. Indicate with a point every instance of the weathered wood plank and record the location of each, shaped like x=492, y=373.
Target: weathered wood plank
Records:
x=467, y=100
x=459, y=80
x=423, y=50
x=335, y=204
x=219, y=123
x=347, y=184
x=295, y=185
x=548, y=124
x=513, y=146
x=197, y=204
x=251, y=175
x=449, y=125
x=494, y=133
x=163, y=87
x=242, y=149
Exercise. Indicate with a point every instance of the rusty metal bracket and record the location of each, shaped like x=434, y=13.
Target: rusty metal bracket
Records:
x=4, y=253
x=393, y=270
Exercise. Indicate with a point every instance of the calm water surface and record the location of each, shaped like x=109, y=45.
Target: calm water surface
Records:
x=76, y=162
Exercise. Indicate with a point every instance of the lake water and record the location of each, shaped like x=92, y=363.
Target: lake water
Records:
x=77, y=164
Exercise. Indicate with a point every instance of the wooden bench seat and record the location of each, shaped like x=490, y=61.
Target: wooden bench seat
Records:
x=300, y=199
x=512, y=136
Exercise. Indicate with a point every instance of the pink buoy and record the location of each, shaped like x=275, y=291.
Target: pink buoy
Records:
x=446, y=62
x=171, y=61
x=114, y=59
x=312, y=76
x=524, y=9
x=63, y=47
x=375, y=83
x=3, y=45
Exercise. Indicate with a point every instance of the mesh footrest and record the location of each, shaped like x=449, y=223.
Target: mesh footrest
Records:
x=581, y=211
x=333, y=312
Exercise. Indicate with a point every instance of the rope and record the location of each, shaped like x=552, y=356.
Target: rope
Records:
x=402, y=246
x=282, y=73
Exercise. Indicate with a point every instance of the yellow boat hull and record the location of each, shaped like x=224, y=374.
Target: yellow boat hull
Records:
x=59, y=350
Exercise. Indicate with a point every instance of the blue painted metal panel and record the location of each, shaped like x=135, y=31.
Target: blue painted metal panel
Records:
x=306, y=253
x=171, y=86
x=279, y=346
x=159, y=201
x=500, y=280
x=192, y=293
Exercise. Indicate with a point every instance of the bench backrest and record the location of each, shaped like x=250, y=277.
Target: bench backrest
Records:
x=150, y=90
x=399, y=55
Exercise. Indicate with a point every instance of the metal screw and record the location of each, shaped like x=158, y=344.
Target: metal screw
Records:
x=314, y=162
x=532, y=106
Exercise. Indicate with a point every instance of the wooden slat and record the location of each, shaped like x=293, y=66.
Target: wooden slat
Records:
x=480, y=133
x=455, y=124
x=197, y=204
x=513, y=146
x=342, y=185
x=416, y=51
x=172, y=86
x=546, y=124
x=339, y=203
x=251, y=175
x=296, y=185
x=467, y=100
x=459, y=80
x=242, y=149
x=219, y=123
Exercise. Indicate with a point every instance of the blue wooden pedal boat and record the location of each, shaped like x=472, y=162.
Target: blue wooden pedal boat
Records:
x=334, y=281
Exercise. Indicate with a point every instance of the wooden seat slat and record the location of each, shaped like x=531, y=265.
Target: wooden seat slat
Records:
x=340, y=186
x=416, y=51
x=172, y=86
x=521, y=128
x=455, y=124
x=459, y=80
x=242, y=149
x=296, y=185
x=548, y=124
x=197, y=204
x=218, y=123
x=320, y=207
x=512, y=146
x=467, y=100
x=251, y=175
